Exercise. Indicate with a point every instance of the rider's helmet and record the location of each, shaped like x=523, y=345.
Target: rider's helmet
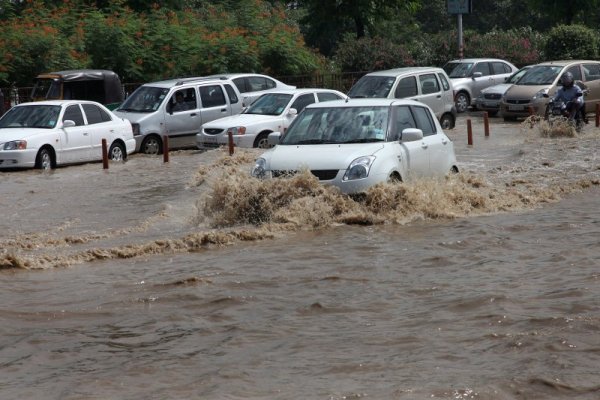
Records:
x=567, y=80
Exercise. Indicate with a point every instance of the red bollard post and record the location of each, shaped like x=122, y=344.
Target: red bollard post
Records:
x=486, y=124
x=165, y=149
x=469, y=133
x=597, y=115
x=104, y=154
x=230, y=142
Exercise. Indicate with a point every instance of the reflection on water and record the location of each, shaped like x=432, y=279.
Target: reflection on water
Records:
x=480, y=286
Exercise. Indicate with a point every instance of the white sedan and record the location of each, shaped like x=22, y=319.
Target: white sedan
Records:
x=359, y=143
x=272, y=112
x=49, y=133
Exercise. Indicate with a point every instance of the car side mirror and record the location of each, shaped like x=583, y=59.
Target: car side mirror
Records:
x=273, y=138
x=477, y=75
x=292, y=112
x=411, y=135
x=67, y=123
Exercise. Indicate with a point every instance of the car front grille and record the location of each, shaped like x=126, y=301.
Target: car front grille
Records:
x=492, y=96
x=321, y=174
x=213, y=131
x=518, y=101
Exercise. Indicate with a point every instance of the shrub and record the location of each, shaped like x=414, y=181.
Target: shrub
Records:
x=371, y=54
x=572, y=42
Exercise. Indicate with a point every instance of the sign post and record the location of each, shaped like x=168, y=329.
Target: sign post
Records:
x=460, y=7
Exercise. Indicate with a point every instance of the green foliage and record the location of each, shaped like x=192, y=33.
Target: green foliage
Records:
x=520, y=46
x=572, y=42
x=371, y=54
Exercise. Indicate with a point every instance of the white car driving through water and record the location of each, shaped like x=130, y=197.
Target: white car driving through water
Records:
x=357, y=143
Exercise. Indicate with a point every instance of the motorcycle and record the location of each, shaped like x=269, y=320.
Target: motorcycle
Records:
x=558, y=111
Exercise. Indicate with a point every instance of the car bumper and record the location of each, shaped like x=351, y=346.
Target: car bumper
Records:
x=487, y=105
x=18, y=158
x=523, y=109
x=349, y=187
x=211, y=141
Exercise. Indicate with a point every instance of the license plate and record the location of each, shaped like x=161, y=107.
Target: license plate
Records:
x=209, y=139
x=516, y=108
x=490, y=104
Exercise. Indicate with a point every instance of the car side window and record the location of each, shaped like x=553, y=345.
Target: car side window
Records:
x=424, y=122
x=212, y=96
x=256, y=83
x=240, y=83
x=302, y=101
x=591, y=72
x=576, y=71
x=326, y=96
x=445, y=83
x=407, y=87
x=500, y=68
x=429, y=84
x=73, y=113
x=270, y=83
x=482, y=67
x=95, y=114
x=233, y=98
x=403, y=119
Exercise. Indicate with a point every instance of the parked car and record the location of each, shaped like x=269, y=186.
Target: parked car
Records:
x=177, y=108
x=429, y=85
x=543, y=80
x=358, y=143
x=489, y=98
x=470, y=75
x=272, y=112
x=49, y=133
x=100, y=85
x=252, y=86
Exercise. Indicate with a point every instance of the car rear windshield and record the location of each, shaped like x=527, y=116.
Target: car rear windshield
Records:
x=372, y=86
x=540, y=75
x=324, y=125
x=145, y=99
x=458, y=69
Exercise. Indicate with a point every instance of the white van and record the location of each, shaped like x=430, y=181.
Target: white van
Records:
x=177, y=109
x=429, y=85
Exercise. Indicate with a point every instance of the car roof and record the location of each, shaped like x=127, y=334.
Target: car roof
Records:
x=566, y=62
x=303, y=90
x=169, y=83
x=479, y=59
x=364, y=102
x=56, y=102
x=402, y=71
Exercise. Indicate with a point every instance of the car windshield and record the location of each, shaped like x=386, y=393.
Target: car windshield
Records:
x=324, y=125
x=540, y=75
x=372, y=86
x=458, y=69
x=270, y=104
x=145, y=99
x=514, y=78
x=31, y=116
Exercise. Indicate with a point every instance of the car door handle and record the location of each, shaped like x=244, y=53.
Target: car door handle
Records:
x=439, y=96
x=85, y=134
x=424, y=145
x=192, y=114
x=223, y=110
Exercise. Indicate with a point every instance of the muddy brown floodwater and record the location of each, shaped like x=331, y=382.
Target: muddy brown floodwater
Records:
x=189, y=280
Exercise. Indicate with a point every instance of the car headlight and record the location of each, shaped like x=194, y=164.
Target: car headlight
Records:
x=359, y=168
x=259, y=169
x=540, y=94
x=15, y=145
x=237, y=130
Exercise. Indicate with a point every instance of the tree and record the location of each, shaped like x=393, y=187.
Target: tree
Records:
x=568, y=11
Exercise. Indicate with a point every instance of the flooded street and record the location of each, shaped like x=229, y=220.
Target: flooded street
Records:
x=189, y=280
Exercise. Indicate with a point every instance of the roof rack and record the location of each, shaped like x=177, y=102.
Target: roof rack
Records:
x=181, y=81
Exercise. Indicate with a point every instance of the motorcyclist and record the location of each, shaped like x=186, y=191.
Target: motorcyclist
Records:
x=570, y=94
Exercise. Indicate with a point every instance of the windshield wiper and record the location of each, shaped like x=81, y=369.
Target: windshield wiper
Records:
x=315, y=141
x=369, y=140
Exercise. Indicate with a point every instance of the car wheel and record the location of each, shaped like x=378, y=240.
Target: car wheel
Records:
x=447, y=121
x=462, y=102
x=151, y=145
x=262, y=141
x=44, y=159
x=117, y=152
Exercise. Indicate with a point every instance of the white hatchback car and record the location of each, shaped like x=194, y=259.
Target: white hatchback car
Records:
x=252, y=86
x=45, y=134
x=272, y=112
x=358, y=143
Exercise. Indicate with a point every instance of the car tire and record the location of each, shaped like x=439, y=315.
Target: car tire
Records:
x=447, y=121
x=44, y=159
x=262, y=141
x=462, y=101
x=492, y=113
x=151, y=145
x=117, y=152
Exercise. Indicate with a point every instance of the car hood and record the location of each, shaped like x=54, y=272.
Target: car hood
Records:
x=9, y=134
x=134, y=117
x=242, y=120
x=501, y=88
x=524, y=91
x=322, y=156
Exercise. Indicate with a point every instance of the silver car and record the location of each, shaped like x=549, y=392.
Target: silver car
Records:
x=489, y=99
x=429, y=85
x=470, y=76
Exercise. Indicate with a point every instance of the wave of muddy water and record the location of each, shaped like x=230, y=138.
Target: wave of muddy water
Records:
x=191, y=280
